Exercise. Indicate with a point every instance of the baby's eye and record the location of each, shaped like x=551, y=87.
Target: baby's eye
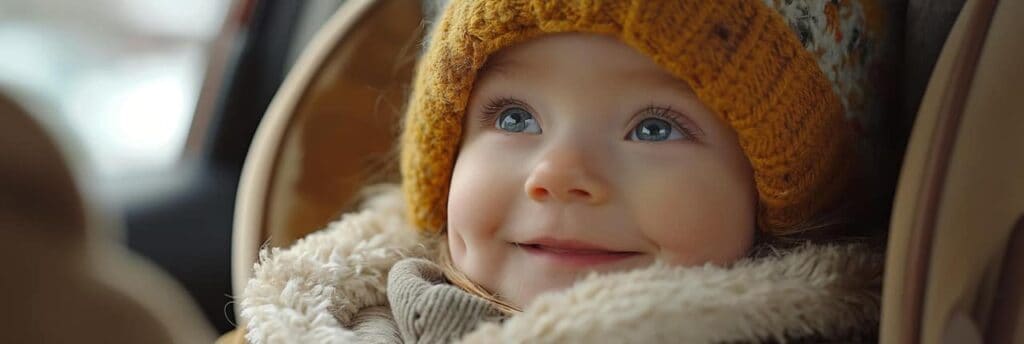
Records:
x=655, y=129
x=517, y=120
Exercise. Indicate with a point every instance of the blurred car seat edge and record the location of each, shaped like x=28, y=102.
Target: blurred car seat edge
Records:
x=62, y=267
x=955, y=232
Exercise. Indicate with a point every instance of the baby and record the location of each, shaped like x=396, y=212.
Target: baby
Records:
x=614, y=171
x=602, y=166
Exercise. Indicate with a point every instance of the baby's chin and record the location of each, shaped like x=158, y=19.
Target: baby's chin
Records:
x=529, y=278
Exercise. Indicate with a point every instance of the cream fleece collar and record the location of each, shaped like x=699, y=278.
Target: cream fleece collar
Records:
x=309, y=293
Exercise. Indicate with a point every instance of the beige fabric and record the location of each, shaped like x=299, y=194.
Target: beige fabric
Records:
x=236, y=336
x=314, y=291
x=376, y=325
x=961, y=194
x=896, y=324
x=422, y=308
x=983, y=194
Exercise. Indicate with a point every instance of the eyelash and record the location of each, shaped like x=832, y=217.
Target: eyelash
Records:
x=666, y=113
x=495, y=106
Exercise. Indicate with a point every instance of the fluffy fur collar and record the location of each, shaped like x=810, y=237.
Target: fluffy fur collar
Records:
x=311, y=292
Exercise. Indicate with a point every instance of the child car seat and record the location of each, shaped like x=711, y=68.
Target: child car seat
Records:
x=333, y=122
x=328, y=131
x=955, y=264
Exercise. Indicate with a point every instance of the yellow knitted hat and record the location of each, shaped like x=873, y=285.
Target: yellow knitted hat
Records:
x=782, y=73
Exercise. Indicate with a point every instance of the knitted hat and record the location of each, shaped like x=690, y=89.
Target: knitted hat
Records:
x=784, y=74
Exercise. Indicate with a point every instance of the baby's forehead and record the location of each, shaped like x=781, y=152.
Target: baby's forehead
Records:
x=581, y=54
x=503, y=64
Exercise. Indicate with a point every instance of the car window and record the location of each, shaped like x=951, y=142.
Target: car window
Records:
x=124, y=75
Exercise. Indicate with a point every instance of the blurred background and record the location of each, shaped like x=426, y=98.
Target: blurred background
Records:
x=160, y=99
x=125, y=75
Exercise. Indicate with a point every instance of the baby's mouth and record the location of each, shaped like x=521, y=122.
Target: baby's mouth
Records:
x=562, y=250
x=573, y=253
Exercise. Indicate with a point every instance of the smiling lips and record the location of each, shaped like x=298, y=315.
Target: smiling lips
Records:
x=574, y=253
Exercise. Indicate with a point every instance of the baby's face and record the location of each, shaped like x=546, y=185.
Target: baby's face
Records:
x=580, y=154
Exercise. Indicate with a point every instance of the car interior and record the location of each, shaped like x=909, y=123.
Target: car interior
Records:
x=299, y=110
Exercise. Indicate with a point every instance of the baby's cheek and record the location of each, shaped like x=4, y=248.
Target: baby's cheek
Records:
x=478, y=199
x=470, y=221
x=466, y=212
x=698, y=218
x=456, y=246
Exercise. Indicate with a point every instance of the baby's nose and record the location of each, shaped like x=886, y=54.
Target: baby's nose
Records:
x=565, y=183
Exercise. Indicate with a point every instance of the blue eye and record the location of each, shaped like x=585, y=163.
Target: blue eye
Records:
x=517, y=120
x=654, y=129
